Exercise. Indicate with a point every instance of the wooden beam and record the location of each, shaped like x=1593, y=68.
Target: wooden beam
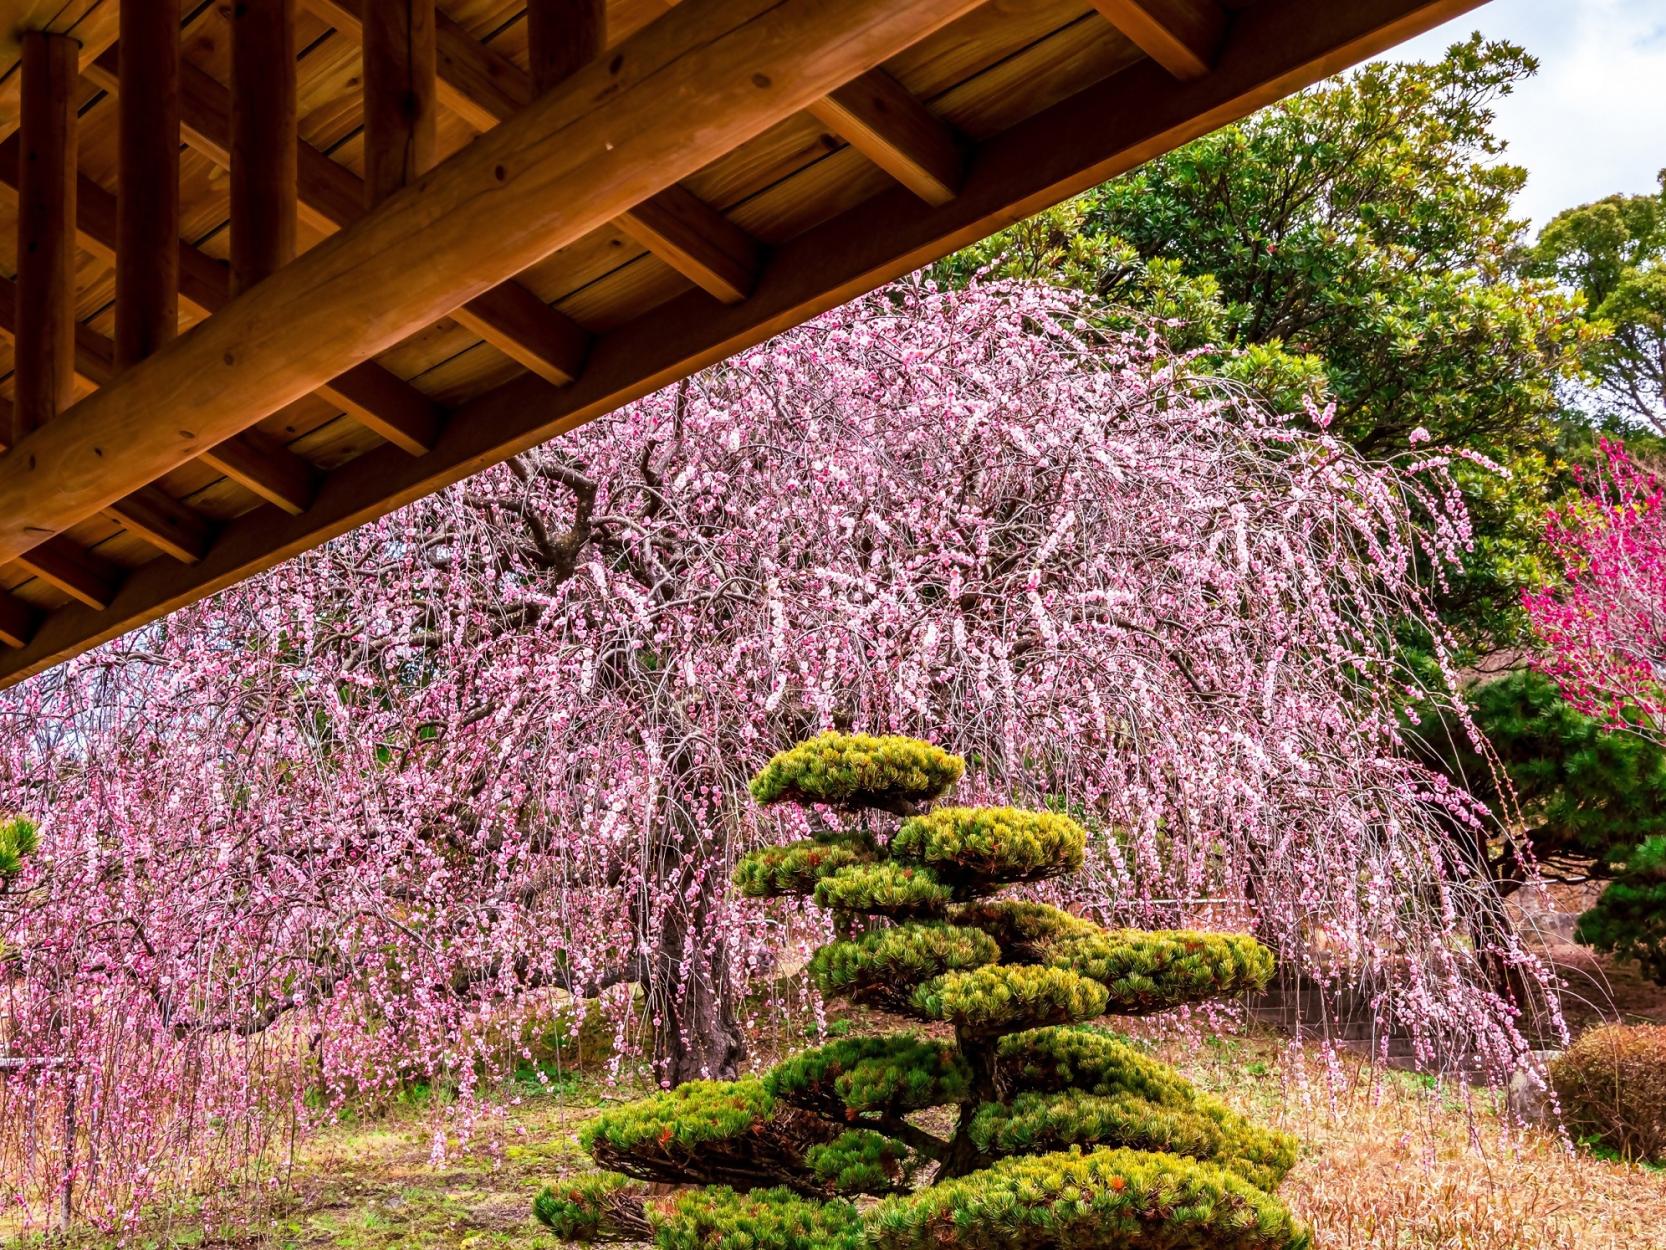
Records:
x=1100, y=132
x=695, y=84
x=274, y=473
x=562, y=37
x=697, y=241
x=17, y=621
x=881, y=120
x=528, y=331
x=163, y=522
x=399, y=101
x=1183, y=36
x=509, y=317
x=93, y=26
x=45, y=324
x=73, y=569
x=263, y=139
x=485, y=88
x=147, y=215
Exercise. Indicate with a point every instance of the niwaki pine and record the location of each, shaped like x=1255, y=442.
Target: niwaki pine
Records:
x=1058, y=1132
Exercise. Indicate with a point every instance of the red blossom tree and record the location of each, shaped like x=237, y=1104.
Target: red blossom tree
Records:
x=1604, y=623
x=356, y=820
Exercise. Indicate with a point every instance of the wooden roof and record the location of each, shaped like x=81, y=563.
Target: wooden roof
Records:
x=538, y=217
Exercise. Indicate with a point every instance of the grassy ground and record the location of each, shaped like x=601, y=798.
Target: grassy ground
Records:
x=1389, y=1164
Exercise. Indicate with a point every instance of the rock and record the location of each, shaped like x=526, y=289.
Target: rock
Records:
x=1528, y=1094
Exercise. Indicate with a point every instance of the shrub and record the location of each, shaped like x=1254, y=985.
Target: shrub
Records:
x=1612, y=1087
x=1063, y=1136
x=856, y=770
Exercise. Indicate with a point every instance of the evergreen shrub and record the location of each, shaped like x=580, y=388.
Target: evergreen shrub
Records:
x=1061, y=1136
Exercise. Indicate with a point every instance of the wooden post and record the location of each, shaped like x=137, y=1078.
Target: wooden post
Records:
x=263, y=151
x=563, y=36
x=147, y=216
x=45, y=340
x=399, y=98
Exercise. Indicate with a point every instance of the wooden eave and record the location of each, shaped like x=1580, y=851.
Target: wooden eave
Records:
x=712, y=172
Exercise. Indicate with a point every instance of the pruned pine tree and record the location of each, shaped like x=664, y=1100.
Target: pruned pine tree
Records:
x=1058, y=1133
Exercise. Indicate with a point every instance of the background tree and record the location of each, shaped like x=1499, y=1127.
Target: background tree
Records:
x=347, y=825
x=1356, y=239
x=1613, y=253
x=1061, y=1135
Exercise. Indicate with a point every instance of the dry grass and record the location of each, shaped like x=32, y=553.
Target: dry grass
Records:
x=1389, y=1164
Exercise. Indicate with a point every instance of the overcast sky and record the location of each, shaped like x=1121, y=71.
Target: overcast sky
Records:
x=1593, y=121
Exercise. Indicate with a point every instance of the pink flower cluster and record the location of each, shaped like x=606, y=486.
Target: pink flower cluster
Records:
x=1604, y=622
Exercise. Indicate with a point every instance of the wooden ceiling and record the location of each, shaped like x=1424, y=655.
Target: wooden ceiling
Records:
x=271, y=268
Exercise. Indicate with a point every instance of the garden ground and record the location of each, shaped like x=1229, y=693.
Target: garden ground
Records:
x=1390, y=1163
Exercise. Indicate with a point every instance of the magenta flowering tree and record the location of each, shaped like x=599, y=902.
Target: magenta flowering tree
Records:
x=357, y=820
x=1604, y=623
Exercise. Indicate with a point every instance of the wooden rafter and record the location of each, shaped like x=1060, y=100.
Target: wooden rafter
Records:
x=1183, y=36
x=1109, y=125
x=893, y=130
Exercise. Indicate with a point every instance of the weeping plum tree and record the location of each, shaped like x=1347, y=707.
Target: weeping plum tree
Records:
x=354, y=822
x=1060, y=1135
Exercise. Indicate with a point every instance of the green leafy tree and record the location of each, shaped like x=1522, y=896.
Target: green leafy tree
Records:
x=1613, y=254
x=1060, y=1134
x=1591, y=805
x=19, y=837
x=1356, y=240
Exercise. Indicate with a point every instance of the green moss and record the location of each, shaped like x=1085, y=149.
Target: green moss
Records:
x=718, y=1218
x=889, y=1075
x=794, y=869
x=884, y=966
x=858, y=770
x=1206, y=1129
x=1105, y=1200
x=1147, y=971
x=978, y=848
x=861, y=1161
x=1003, y=997
x=883, y=889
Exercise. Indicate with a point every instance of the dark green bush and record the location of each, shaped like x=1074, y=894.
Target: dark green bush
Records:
x=1612, y=1086
x=1062, y=1138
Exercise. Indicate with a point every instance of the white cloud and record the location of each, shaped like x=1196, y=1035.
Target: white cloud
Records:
x=1593, y=121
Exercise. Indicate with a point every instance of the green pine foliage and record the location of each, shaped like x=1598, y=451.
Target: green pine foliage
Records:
x=883, y=966
x=978, y=848
x=989, y=1001
x=1628, y=919
x=861, y=1161
x=19, y=836
x=888, y=1075
x=603, y=1207
x=794, y=869
x=1204, y=1128
x=1153, y=971
x=1060, y=1135
x=885, y=889
x=857, y=770
x=1103, y=1200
